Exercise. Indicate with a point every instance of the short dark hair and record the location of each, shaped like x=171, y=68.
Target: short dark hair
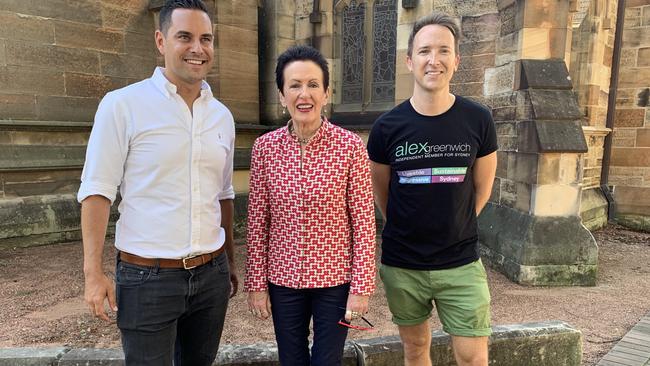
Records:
x=301, y=53
x=165, y=17
x=434, y=18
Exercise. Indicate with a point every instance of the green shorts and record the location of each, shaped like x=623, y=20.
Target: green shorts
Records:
x=461, y=295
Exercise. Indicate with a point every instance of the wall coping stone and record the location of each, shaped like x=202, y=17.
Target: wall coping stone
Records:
x=377, y=351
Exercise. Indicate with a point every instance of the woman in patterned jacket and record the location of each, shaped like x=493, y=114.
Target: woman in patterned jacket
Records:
x=311, y=226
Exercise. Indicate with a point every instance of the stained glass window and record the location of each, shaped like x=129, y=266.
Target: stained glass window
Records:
x=383, y=57
x=353, y=51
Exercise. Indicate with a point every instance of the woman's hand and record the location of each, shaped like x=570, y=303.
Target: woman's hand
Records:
x=356, y=307
x=259, y=304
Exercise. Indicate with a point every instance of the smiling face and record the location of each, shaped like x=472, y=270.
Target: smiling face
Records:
x=303, y=92
x=187, y=47
x=434, y=59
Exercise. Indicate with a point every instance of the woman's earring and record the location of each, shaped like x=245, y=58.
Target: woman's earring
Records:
x=284, y=110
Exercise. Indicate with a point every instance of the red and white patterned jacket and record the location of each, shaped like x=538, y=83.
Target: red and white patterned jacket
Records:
x=311, y=220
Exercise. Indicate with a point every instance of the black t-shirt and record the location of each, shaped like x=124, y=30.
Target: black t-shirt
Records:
x=431, y=215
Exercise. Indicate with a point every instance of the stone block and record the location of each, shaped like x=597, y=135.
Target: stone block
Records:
x=643, y=137
x=241, y=14
x=22, y=217
x=42, y=182
x=403, y=86
x=132, y=16
x=477, y=48
x=467, y=89
x=403, y=32
x=17, y=106
x=91, y=86
x=243, y=111
x=401, y=68
x=556, y=200
x=548, y=168
x=523, y=196
x=480, y=28
x=593, y=209
x=52, y=57
x=504, y=113
x=67, y=34
x=636, y=37
x=476, y=62
x=238, y=64
x=560, y=136
x=628, y=57
x=639, y=222
x=30, y=356
x=236, y=88
x=93, y=356
x=538, y=251
x=541, y=74
x=66, y=108
x=70, y=10
x=635, y=3
x=499, y=79
x=631, y=157
x=508, y=48
x=629, y=117
x=571, y=168
x=23, y=79
x=554, y=105
x=236, y=39
x=523, y=168
x=140, y=44
x=77, y=60
x=35, y=157
x=545, y=14
x=126, y=66
x=28, y=28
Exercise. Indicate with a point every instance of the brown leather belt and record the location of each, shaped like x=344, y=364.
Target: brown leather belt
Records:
x=187, y=263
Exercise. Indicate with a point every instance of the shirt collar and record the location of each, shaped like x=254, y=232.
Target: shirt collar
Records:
x=167, y=88
x=322, y=131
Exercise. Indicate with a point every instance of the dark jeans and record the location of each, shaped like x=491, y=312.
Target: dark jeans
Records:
x=162, y=309
x=293, y=308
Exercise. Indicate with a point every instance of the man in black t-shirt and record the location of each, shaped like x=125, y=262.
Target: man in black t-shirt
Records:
x=433, y=165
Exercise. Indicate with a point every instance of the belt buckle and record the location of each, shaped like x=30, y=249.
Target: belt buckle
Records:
x=185, y=265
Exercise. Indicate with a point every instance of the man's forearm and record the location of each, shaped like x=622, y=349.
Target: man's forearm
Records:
x=95, y=211
x=227, y=217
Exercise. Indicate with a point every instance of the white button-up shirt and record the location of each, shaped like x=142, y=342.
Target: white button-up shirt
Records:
x=172, y=167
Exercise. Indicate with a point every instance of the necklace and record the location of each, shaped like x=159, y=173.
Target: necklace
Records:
x=301, y=140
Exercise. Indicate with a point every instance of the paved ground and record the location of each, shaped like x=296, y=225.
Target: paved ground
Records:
x=41, y=299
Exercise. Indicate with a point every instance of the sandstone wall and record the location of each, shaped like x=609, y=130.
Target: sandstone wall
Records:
x=630, y=165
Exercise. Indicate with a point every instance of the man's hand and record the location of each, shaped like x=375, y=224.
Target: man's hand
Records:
x=234, y=280
x=357, y=306
x=259, y=304
x=98, y=288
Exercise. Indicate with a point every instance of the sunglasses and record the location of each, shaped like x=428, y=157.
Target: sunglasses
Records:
x=346, y=323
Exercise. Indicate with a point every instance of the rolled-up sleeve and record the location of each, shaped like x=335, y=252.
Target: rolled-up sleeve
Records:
x=106, y=153
x=259, y=216
x=227, y=190
x=362, y=218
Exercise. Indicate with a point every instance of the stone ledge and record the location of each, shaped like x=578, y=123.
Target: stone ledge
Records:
x=53, y=157
x=548, y=343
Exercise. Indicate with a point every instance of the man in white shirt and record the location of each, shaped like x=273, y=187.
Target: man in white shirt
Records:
x=168, y=144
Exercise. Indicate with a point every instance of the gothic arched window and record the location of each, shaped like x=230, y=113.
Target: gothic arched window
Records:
x=367, y=34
